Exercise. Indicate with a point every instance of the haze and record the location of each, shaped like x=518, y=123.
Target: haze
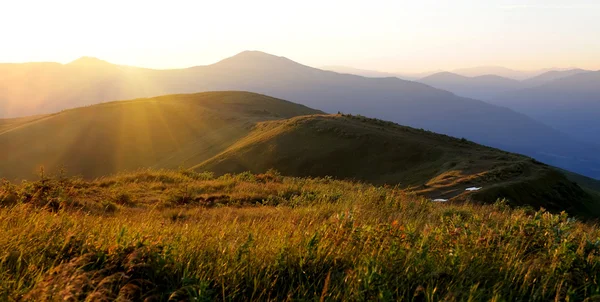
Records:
x=383, y=35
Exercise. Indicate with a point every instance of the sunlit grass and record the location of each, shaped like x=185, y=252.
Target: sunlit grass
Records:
x=182, y=235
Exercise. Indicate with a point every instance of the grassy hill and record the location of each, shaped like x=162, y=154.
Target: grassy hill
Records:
x=163, y=132
x=185, y=236
x=233, y=132
x=381, y=152
x=11, y=123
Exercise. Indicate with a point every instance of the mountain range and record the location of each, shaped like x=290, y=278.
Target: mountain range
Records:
x=568, y=100
x=491, y=86
x=518, y=75
x=41, y=88
x=570, y=104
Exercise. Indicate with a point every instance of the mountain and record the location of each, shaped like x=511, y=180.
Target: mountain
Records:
x=40, y=88
x=385, y=153
x=570, y=104
x=45, y=88
x=501, y=71
x=489, y=87
x=162, y=132
x=550, y=76
x=480, y=87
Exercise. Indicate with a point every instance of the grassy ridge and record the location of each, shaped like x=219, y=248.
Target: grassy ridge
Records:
x=8, y=124
x=178, y=235
x=161, y=132
x=380, y=152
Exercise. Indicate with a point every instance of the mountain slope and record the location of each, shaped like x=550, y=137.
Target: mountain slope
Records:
x=480, y=87
x=570, y=104
x=382, y=152
x=57, y=86
x=162, y=132
x=11, y=123
x=373, y=73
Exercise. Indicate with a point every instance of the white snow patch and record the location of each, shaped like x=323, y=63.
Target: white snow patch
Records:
x=440, y=200
x=473, y=189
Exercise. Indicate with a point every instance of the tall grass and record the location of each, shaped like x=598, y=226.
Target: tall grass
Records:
x=173, y=235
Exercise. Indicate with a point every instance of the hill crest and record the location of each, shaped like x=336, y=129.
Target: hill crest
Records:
x=438, y=166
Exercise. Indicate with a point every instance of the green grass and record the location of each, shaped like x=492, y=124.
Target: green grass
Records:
x=179, y=235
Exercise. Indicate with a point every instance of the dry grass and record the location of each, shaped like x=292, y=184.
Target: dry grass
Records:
x=267, y=237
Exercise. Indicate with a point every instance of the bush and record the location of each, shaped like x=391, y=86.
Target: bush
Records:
x=122, y=198
x=109, y=207
x=8, y=194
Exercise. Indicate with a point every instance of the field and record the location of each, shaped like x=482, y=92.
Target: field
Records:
x=180, y=235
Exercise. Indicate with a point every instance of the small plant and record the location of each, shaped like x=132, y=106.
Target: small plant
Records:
x=8, y=193
x=122, y=198
x=109, y=207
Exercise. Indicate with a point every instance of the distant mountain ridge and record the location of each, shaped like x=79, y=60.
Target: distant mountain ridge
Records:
x=504, y=72
x=570, y=104
x=552, y=75
x=51, y=88
x=479, y=87
x=490, y=86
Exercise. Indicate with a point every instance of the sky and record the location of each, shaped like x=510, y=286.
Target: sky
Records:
x=393, y=36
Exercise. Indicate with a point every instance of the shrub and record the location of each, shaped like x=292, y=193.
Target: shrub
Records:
x=122, y=198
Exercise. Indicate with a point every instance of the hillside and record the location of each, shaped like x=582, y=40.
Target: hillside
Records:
x=373, y=73
x=163, y=132
x=53, y=87
x=11, y=123
x=384, y=153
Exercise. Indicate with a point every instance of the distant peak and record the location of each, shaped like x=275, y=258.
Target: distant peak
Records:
x=444, y=74
x=447, y=73
x=89, y=61
x=255, y=54
x=255, y=59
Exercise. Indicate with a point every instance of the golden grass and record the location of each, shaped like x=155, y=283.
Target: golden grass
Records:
x=267, y=237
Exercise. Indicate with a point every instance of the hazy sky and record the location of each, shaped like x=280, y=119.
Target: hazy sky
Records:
x=375, y=34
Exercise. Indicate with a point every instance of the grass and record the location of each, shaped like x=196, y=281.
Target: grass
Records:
x=161, y=132
x=181, y=235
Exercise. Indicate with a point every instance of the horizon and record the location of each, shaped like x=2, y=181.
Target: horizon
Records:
x=382, y=36
x=328, y=66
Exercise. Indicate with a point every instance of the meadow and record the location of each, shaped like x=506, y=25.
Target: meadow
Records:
x=167, y=235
